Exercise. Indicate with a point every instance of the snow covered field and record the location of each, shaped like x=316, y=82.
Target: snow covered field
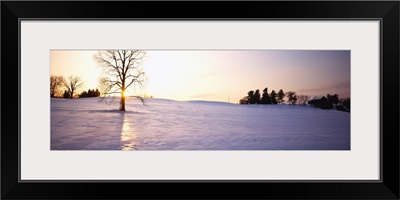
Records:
x=86, y=124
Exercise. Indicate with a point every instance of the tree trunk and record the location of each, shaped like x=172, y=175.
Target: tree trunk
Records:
x=122, y=103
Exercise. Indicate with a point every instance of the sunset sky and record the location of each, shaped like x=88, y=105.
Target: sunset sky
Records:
x=222, y=75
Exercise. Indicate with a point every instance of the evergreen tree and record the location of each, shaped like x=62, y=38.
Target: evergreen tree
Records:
x=280, y=96
x=250, y=95
x=265, y=99
x=256, y=97
x=97, y=92
x=66, y=94
x=83, y=94
x=273, y=97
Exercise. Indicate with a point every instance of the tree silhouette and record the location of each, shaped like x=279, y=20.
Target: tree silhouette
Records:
x=250, y=96
x=329, y=98
x=123, y=69
x=280, y=96
x=335, y=99
x=97, y=92
x=66, y=94
x=244, y=100
x=55, y=83
x=273, y=97
x=90, y=93
x=257, y=97
x=302, y=99
x=292, y=98
x=265, y=99
x=73, y=84
x=83, y=94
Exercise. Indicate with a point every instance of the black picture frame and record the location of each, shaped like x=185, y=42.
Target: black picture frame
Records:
x=13, y=11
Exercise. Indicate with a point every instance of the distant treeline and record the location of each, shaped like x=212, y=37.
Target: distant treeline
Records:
x=328, y=102
x=70, y=86
x=254, y=97
x=89, y=93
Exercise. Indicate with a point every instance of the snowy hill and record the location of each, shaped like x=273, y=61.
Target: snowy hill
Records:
x=79, y=124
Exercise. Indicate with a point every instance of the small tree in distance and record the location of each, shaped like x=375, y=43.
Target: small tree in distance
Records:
x=265, y=99
x=55, y=83
x=302, y=99
x=250, y=96
x=73, y=85
x=280, y=96
x=257, y=97
x=292, y=98
x=273, y=97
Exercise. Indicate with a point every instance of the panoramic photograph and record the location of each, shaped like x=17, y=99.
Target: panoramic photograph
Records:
x=129, y=100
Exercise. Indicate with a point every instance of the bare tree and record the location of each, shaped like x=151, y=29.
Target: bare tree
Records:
x=73, y=84
x=305, y=99
x=302, y=99
x=122, y=69
x=55, y=83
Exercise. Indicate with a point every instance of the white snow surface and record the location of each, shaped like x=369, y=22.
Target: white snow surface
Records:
x=86, y=124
